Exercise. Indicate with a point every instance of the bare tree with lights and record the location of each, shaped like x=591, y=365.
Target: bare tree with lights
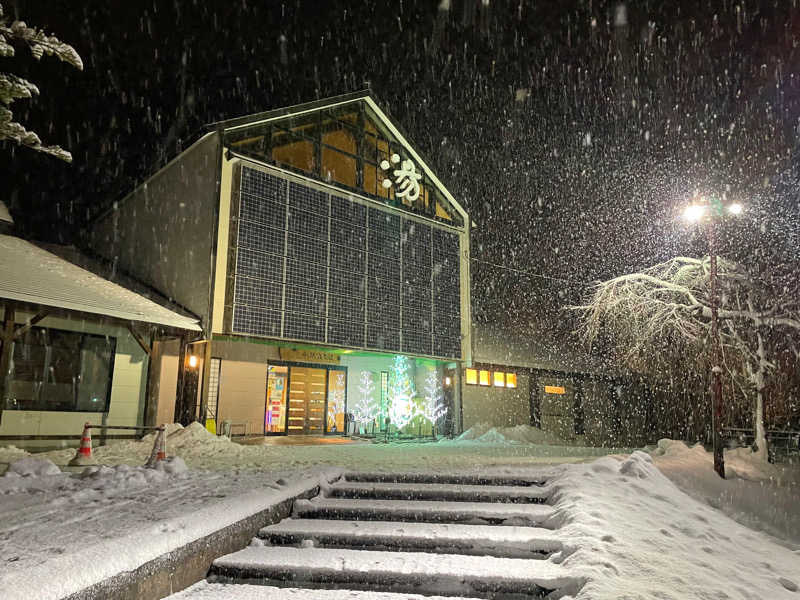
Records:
x=433, y=407
x=365, y=409
x=14, y=88
x=659, y=320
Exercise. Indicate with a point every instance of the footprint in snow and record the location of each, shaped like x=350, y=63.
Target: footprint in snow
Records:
x=788, y=584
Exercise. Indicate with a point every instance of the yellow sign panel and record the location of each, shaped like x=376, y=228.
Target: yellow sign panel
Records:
x=309, y=356
x=554, y=389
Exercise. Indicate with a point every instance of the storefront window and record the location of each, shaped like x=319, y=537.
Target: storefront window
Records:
x=337, y=389
x=511, y=380
x=499, y=379
x=60, y=370
x=275, y=416
x=484, y=378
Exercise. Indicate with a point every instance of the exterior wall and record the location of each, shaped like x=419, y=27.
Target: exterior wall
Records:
x=500, y=407
x=598, y=413
x=242, y=382
x=128, y=386
x=167, y=372
x=242, y=394
x=557, y=411
x=162, y=233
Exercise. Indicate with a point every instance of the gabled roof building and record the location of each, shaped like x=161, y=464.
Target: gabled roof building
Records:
x=316, y=245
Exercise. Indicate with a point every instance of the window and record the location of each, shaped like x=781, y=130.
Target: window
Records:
x=494, y=378
x=60, y=370
x=472, y=377
x=342, y=145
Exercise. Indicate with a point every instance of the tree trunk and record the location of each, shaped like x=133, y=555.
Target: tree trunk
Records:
x=759, y=380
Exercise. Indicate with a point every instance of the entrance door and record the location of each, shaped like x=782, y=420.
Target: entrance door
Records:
x=306, y=400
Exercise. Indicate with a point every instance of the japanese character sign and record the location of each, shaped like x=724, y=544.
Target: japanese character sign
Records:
x=406, y=178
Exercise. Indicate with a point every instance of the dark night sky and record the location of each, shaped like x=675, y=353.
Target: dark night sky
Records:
x=621, y=121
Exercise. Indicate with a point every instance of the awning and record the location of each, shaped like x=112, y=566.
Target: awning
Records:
x=33, y=275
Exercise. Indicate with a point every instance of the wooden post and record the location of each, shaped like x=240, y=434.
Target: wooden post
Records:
x=5, y=353
x=179, y=392
x=153, y=376
x=204, y=382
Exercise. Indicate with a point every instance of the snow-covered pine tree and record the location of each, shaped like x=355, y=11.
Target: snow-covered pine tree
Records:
x=433, y=407
x=365, y=409
x=401, y=393
x=13, y=87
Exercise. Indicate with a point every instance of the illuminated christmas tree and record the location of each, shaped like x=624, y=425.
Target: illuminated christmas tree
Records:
x=365, y=409
x=401, y=393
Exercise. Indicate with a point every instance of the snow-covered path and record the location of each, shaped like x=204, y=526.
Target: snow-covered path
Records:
x=630, y=529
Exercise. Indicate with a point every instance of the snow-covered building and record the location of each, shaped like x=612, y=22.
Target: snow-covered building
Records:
x=535, y=377
x=74, y=346
x=315, y=245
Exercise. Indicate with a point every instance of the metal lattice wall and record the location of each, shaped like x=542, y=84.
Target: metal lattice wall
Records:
x=318, y=267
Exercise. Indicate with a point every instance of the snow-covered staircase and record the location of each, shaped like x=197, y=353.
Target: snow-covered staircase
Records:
x=376, y=535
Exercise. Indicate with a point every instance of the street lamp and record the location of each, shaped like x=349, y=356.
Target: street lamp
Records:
x=713, y=208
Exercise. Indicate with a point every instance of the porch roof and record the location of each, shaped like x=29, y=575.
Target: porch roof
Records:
x=33, y=275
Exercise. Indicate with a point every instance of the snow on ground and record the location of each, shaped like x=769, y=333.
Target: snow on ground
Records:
x=760, y=495
x=203, y=450
x=633, y=534
x=626, y=524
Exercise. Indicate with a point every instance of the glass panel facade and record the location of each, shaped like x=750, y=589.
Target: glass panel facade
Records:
x=315, y=266
x=60, y=370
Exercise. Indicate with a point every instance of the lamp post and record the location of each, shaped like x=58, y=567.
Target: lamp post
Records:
x=696, y=212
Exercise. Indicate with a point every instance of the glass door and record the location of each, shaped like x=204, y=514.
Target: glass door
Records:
x=306, y=400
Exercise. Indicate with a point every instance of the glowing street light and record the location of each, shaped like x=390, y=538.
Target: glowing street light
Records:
x=735, y=208
x=694, y=213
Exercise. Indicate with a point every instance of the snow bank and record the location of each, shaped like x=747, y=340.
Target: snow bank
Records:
x=633, y=534
x=31, y=466
x=755, y=493
x=521, y=434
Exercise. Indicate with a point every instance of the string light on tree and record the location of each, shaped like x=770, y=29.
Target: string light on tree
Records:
x=401, y=393
x=365, y=410
x=433, y=407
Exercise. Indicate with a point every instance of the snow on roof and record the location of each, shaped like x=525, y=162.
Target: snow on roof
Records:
x=31, y=274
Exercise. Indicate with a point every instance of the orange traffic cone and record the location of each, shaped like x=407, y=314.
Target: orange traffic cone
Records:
x=159, y=451
x=84, y=454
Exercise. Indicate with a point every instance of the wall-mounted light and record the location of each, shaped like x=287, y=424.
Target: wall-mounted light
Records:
x=192, y=361
x=447, y=381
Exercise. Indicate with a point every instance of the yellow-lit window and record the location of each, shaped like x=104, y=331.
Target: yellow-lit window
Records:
x=484, y=377
x=499, y=379
x=511, y=380
x=472, y=377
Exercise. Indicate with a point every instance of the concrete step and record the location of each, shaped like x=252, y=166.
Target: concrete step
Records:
x=484, y=540
x=477, y=513
x=243, y=591
x=404, y=572
x=439, y=491
x=455, y=478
